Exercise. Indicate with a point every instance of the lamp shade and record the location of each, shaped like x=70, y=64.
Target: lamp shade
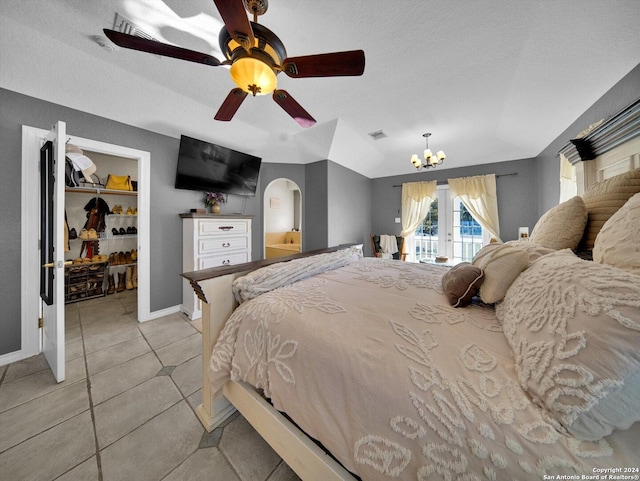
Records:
x=253, y=76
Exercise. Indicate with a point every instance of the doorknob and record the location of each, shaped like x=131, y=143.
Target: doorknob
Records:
x=53, y=264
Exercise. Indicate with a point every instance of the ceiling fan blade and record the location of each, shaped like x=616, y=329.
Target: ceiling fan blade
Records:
x=293, y=108
x=231, y=104
x=158, y=48
x=337, y=64
x=235, y=19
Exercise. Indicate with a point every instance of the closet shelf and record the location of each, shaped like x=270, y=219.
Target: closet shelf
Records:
x=100, y=190
x=116, y=237
x=112, y=266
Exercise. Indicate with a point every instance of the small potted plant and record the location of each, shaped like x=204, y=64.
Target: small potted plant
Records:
x=213, y=200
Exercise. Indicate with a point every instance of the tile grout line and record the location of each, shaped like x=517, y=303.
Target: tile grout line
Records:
x=4, y=374
x=91, y=407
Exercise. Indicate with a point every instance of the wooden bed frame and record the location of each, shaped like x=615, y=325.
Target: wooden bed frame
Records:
x=617, y=145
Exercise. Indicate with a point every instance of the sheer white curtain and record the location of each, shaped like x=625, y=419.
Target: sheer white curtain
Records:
x=568, y=184
x=416, y=200
x=478, y=194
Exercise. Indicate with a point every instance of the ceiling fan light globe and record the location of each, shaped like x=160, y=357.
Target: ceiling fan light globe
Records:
x=253, y=76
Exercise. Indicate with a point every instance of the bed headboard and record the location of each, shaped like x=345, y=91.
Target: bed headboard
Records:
x=610, y=149
x=621, y=159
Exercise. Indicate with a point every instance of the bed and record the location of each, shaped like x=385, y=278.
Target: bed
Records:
x=355, y=367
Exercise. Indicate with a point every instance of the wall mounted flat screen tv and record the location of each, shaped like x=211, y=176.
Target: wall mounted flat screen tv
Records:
x=213, y=168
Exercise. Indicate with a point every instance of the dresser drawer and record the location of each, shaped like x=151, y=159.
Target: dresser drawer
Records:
x=209, y=227
x=223, y=260
x=220, y=244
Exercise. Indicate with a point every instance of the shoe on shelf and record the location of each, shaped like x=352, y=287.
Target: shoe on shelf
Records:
x=122, y=231
x=128, y=258
x=129, y=211
x=93, y=235
x=134, y=230
x=114, y=231
x=122, y=258
x=84, y=234
x=134, y=255
x=135, y=211
x=73, y=234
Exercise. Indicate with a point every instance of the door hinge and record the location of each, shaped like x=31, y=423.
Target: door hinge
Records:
x=39, y=323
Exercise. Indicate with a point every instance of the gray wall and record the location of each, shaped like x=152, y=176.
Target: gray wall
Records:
x=516, y=195
x=349, y=208
x=316, y=212
x=618, y=97
x=337, y=209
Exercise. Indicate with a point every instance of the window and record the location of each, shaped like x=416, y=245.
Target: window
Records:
x=448, y=230
x=468, y=236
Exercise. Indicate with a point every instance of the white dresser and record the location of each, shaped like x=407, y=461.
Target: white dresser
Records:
x=211, y=240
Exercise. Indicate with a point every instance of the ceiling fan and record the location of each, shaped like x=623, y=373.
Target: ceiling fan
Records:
x=256, y=55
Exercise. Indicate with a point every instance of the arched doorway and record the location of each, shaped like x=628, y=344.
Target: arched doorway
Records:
x=282, y=218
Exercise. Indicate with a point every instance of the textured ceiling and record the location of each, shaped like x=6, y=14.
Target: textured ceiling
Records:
x=493, y=80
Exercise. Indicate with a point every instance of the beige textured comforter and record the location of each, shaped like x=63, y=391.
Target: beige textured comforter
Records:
x=371, y=360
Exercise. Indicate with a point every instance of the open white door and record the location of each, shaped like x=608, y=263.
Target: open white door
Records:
x=52, y=184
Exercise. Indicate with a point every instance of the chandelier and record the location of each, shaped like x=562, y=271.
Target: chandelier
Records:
x=429, y=159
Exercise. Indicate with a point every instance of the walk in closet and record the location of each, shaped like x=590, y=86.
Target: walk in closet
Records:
x=102, y=223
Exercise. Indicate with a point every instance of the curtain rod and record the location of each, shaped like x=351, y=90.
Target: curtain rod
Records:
x=444, y=182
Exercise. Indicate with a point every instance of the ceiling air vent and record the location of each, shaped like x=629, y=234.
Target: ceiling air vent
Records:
x=377, y=135
x=123, y=25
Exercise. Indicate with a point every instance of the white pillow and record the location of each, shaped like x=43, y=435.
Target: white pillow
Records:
x=501, y=264
x=561, y=227
x=618, y=242
x=574, y=328
x=534, y=251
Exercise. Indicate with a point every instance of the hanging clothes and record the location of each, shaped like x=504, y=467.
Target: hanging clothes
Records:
x=96, y=209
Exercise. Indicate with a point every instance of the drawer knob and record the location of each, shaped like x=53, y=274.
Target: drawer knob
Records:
x=226, y=244
x=225, y=227
x=226, y=263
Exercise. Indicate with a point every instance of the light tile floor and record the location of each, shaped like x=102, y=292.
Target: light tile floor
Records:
x=126, y=408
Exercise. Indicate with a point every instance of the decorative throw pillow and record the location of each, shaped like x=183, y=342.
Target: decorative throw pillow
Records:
x=561, y=227
x=574, y=327
x=603, y=199
x=618, y=243
x=534, y=251
x=461, y=283
x=501, y=264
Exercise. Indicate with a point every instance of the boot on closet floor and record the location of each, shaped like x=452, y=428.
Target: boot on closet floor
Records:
x=121, y=281
x=134, y=276
x=128, y=283
x=112, y=285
